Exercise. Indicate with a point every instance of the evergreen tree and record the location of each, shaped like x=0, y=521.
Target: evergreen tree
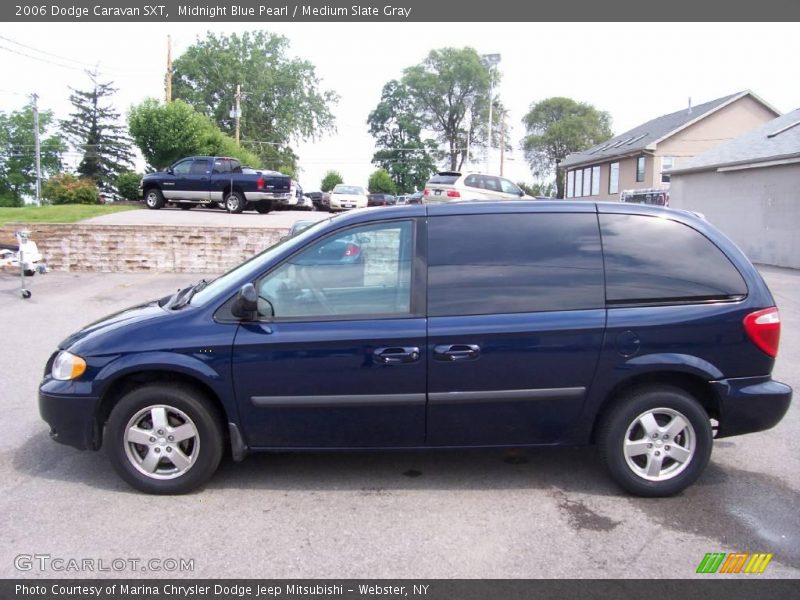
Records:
x=95, y=131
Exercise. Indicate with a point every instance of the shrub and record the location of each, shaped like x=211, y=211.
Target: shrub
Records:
x=331, y=179
x=68, y=189
x=128, y=185
x=381, y=182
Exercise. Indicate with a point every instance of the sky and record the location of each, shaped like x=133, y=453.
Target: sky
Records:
x=634, y=71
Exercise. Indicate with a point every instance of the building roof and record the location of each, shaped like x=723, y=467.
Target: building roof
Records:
x=647, y=135
x=776, y=140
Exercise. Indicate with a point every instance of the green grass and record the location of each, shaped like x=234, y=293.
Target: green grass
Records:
x=63, y=213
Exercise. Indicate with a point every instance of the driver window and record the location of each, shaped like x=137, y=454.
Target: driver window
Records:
x=354, y=273
x=182, y=168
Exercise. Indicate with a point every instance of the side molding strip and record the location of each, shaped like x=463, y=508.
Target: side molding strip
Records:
x=344, y=400
x=505, y=395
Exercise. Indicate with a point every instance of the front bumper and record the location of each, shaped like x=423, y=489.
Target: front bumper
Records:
x=750, y=404
x=72, y=419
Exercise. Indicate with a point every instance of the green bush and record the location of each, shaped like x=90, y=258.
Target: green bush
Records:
x=128, y=185
x=331, y=179
x=380, y=182
x=68, y=189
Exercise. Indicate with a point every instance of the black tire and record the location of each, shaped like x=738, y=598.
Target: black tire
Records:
x=182, y=406
x=185, y=205
x=234, y=202
x=263, y=207
x=29, y=272
x=153, y=199
x=653, y=465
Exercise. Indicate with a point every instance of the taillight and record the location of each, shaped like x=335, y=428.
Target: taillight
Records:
x=763, y=327
x=427, y=192
x=453, y=194
x=260, y=183
x=352, y=250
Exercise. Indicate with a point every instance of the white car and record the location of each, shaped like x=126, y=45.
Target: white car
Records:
x=345, y=197
x=449, y=186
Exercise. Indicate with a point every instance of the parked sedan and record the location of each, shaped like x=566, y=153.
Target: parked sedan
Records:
x=345, y=197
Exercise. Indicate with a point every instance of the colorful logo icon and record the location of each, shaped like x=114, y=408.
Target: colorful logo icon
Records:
x=735, y=562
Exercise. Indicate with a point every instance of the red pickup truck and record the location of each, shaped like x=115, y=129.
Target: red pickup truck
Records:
x=215, y=180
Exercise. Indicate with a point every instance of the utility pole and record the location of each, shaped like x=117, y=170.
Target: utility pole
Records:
x=34, y=98
x=238, y=109
x=502, y=140
x=168, y=81
x=490, y=61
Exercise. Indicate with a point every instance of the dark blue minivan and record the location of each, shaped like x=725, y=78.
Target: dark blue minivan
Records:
x=642, y=330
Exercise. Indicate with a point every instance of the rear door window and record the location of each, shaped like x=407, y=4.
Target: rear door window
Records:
x=656, y=260
x=513, y=263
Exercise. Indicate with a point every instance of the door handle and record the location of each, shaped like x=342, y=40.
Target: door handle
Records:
x=453, y=352
x=396, y=354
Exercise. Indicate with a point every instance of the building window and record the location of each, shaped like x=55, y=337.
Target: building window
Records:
x=587, y=181
x=570, y=184
x=667, y=162
x=578, y=182
x=613, y=178
x=640, y=168
x=596, y=181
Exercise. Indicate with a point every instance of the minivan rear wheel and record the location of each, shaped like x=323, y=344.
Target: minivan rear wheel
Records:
x=164, y=439
x=656, y=441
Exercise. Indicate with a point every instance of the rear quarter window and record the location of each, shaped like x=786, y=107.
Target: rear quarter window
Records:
x=513, y=263
x=657, y=260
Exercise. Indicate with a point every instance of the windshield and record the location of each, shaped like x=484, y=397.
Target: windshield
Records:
x=250, y=268
x=347, y=189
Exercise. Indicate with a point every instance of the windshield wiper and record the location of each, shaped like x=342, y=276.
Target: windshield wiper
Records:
x=185, y=296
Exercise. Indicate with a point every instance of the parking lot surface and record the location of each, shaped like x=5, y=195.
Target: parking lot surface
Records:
x=282, y=219
x=477, y=514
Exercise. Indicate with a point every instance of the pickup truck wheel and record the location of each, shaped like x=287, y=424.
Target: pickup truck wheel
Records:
x=656, y=441
x=185, y=205
x=164, y=439
x=154, y=199
x=234, y=202
x=263, y=207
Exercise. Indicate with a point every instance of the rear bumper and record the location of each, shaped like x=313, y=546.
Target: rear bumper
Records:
x=751, y=404
x=71, y=419
x=275, y=197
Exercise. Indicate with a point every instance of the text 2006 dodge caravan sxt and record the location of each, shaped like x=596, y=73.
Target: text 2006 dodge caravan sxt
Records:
x=439, y=326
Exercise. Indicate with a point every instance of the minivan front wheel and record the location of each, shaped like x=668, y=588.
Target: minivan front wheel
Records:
x=164, y=439
x=656, y=441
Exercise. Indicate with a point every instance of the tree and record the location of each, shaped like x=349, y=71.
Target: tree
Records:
x=330, y=180
x=555, y=128
x=537, y=189
x=166, y=132
x=128, y=185
x=380, y=182
x=18, y=154
x=95, y=131
x=451, y=95
x=281, y=101
x=396, y=128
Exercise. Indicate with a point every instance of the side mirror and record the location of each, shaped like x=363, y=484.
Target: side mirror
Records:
x=245, y=306
x=170, y=171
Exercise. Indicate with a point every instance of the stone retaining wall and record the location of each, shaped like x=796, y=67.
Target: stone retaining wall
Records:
x=155, y=248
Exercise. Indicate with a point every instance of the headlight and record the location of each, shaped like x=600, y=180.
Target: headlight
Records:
x=67, y=366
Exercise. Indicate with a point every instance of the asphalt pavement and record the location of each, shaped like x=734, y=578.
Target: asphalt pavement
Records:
x=278, y=219
x=550, y=512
